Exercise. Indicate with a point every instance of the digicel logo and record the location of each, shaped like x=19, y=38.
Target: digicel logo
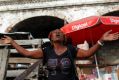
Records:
x=116, y=21
x=80, y=26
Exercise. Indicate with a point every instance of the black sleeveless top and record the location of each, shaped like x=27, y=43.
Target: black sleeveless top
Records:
x=59, y=66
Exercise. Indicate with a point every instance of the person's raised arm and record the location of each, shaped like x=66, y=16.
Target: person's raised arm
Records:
x=106, y=37
x=34, y=54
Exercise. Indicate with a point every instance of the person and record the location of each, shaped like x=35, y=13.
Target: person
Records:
x=59, y=55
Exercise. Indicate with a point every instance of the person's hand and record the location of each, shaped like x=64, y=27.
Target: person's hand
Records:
x=6, y=39
x=108, y=36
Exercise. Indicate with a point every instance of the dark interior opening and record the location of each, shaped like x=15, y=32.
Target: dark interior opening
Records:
x=114, y=13
x=39, y=26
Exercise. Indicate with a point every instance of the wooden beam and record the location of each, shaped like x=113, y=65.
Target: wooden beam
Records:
x=25, y=42
x=15, y=73
x=21, y=60
x=15, y=51
x=3, y=63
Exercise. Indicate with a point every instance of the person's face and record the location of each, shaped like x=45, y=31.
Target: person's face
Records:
x=57, y=36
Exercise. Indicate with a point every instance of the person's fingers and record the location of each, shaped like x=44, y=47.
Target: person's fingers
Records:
x=108, y=31
x=3, y=38
x=116, y=33
x=6, y=36
x=115, y=38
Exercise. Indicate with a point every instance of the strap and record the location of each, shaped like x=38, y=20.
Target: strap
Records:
x=23, y=75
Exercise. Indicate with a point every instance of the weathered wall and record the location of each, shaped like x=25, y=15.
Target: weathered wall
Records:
x=68, y=9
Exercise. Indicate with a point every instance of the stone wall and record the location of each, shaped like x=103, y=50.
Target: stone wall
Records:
x=68, y=10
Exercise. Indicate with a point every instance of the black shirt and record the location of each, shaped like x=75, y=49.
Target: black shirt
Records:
x=59, y=66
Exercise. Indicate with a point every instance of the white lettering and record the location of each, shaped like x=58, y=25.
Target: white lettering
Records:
x=114, y=20
x=79, y=26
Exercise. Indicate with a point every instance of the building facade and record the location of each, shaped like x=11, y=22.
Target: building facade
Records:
x=39, y=17
x=15, y=12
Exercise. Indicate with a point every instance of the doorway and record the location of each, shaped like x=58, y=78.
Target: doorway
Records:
x=39, y=26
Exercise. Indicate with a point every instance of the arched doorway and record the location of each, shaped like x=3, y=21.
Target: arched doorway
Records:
x=39, y=26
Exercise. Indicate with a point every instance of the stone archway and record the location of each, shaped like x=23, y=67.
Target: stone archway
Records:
x=39, y=26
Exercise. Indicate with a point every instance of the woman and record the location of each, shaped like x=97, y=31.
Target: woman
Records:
x=59, y=56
